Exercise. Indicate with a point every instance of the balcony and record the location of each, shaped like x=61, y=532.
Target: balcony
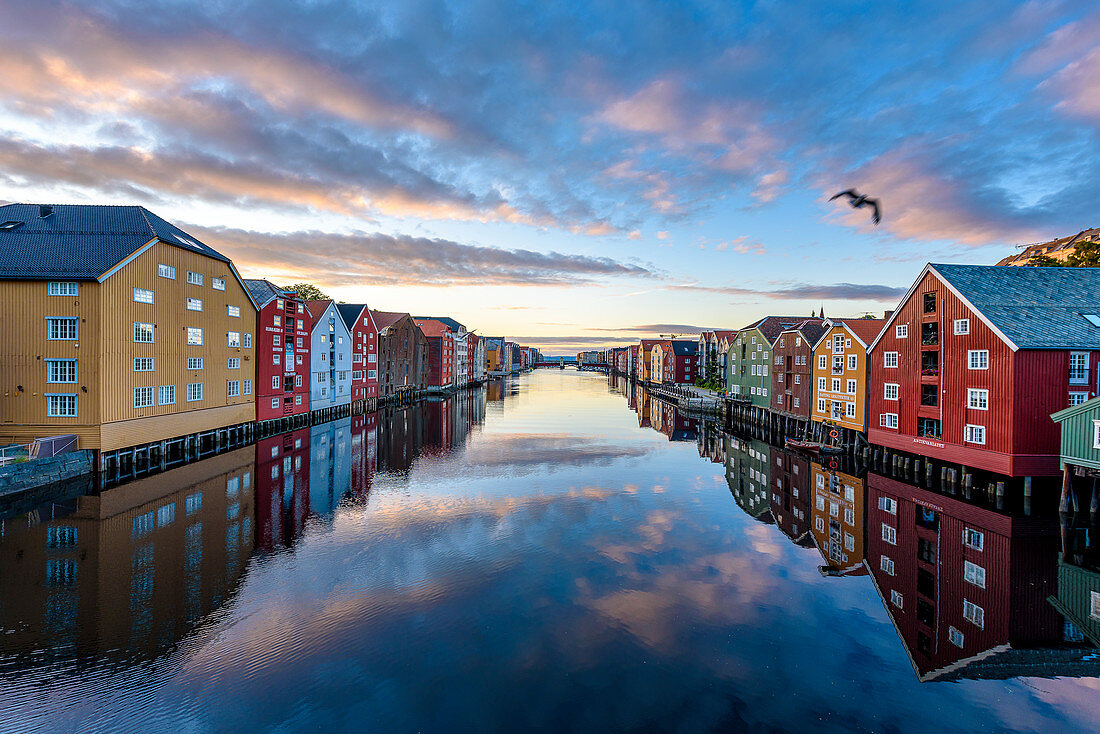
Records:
x=930, y=364
x=930, y=334
x=929, y=428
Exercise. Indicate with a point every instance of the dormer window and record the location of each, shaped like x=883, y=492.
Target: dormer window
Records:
x=8, y=226
x=1092, y=318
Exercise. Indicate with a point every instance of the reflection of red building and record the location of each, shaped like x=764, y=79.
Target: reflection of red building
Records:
x=790, y=495
x=966, y=587
x=438, y=426
x=282, y=488
x=282, y=352
x=364, y=454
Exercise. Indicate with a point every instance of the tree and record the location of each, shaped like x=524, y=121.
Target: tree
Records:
x=1086, y=254
x=1044, y=261
x=308, y=292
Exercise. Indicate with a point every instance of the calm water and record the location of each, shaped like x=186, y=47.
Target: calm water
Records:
x=554, y=553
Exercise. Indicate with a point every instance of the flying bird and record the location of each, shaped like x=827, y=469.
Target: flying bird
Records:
x=857, y=200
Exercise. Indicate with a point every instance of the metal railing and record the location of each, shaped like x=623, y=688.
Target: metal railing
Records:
x=39, y=448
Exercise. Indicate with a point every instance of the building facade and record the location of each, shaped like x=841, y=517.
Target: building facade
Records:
x=331, y=358
x=837, y=520
x=749, y=359
x=792, y=387
x=402, y=353
x=441, y=354
x=840, y=372
x=282, y=352
x=364, y=350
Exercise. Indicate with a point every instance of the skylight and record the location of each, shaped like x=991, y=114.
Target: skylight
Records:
x=9, y=226
x=1092, y=318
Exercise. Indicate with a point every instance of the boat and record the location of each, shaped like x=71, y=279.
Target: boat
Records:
x=812, y=446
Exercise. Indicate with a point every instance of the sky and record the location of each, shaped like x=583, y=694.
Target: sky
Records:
x=569, y=175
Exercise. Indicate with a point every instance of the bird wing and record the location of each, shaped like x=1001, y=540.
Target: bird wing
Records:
x=878, y=212
x=850, y=193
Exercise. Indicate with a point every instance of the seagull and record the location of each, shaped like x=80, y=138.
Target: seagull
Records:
x=857, y=200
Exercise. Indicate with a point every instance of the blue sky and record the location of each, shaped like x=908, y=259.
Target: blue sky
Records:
x=567, y=174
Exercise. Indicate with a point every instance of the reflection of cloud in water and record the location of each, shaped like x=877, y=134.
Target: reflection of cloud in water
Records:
x=548, y=451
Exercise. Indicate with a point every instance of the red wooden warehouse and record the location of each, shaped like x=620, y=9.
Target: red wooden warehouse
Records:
x=975, y=359
x=441, y=353
x=282, y=352
x=364, y=350
x=792, y=373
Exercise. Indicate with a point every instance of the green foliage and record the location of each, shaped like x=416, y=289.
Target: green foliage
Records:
x=1044, y=261
x=1085, y=255
x=308, y=292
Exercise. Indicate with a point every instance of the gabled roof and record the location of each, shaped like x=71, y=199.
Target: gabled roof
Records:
x=81, y=241
x=772, y=326
x=350, y=313
x=721, y=334
x=1073, y=410
x=1028, y=308
x=810, y=329
x=1055, y=245
x=433, y=327
x=264, y=291
x=385, y=319
x=315, y=309
x=451, y=323
x=685, y=348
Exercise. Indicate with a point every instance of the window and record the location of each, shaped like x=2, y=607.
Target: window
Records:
x=297, y=399
x=974, y=614
x=973, y=538
x=1096, y=434
x=821, y=383
x=61, y=328
x=234, y=363
x=850, y=409
x=234, y=388
x=890, y=391
x=888, y=504
x=166, y=271
x=822, y=361
x=234, y=311
x=298, y=359
x=977, y=399
x=234, y=338
x=60, y=370
x=853, y=361
x=798, y=379
x=63, y=288
x=142, y=295
x=1094, y=605
x=851, y=387
x=974, y=434
x=218, y=284
x=194, y=391
x=297, y=380
x=276, y=358
x=779, y=399
x=896, y=598
x=1076, y=398
x=143, y=364
x=194, y=278
x=278, y=320
x=795, y=402
x=143, y=397
x=764, y=392
x=901, y=331
x=194, y=363
x=889, y=534
x=61, y=405
x=274, y=403
x=247, y=387
x=836, y=384
x=962, y=326
x=246, y=341
x=194, y=304
x=886, y=564
x=1079, y=368
x=276, y=340
x=194, y=336
x=276, y=382
x=834, y=509
x=955, y=637
x=166, y=395
x=974, y=574
x=193, y=503
x=978, y=359
x=890, y=359
x=850, y=518
x=143, y=333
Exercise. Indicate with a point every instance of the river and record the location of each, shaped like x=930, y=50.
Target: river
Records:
x=555, y=552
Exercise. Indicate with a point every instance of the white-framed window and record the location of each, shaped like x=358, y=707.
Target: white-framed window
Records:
x=246, y=341
x=974, y=614
x=246, y=387
x=60, y=370
x=143, y=295
x=217, y=284
x=297, y=380
x=275, y=404
x=194, y=336
x=849, y=517
x=974, y=434
x=886, y=564
x=372, y=374
x=851, y=387
x=890, y=391
x=144, y=397
x=977, y=399
x=765, y=392
x=890, y=359
x=889, y=534
x=822, y=361
x=143, y=333
x=278, y=321
x=1096, y=434
x=977, y=359
x=194, y=363
x=62, y=288
x=194, y=304
x=779, y=399
x=821, y=383
x=276, y=340
x=962, y=326
x=166, y=395
x=1094, y=604
x=276, y=382
x=194, y=391
x=298, y=359
x=234, y=338
x=194, y=278
x=974, y=574
x=850, y=409
x=795, y=402
x=234, y=363
x=297, y=399
x=896, y=599
x=1076, y=398
x=62, y=328
x=888, y=420
x=276, y=358
x=974, y=539
x=233, y=388
x=61, y=405
x=853, y=361
x=234, y=311
x=166, y=271
x=836, y=384
x=798, y=379
x=888, y=504
x=279, y=305
x=901, y=331
x=143, y=364
x=1078, y=368
x=820, y=499
x=954, y=636
x=834, y=509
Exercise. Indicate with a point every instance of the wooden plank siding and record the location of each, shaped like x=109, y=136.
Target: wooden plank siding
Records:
x=792, y=375
x=858, y=421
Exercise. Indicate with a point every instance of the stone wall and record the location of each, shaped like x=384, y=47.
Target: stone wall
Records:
x=27, y=475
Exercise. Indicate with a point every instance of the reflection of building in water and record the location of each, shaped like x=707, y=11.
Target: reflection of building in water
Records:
x=438, y=426
x=329, y=464
x=494, y=390
x=790, y=494
x=364, y=454
x=966, y=587
x=747, y=466
x=837, y=520
x=674, y=424
x=131, y=569
x=643, y=408
x=1078, y=596
x=712, y=444
x=282, y=488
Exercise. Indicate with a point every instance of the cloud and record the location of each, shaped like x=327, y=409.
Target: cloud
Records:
x=660, y=329
x=374, y=259
x=805, y=291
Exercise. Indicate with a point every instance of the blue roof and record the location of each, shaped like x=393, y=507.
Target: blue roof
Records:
x=1035, y=308
x=264, y=291
x=349, y=312
x=81, y=241
x=685, y=348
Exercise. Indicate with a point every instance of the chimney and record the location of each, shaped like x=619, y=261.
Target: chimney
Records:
x=44, y=210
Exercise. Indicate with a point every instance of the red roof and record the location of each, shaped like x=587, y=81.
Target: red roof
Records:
x=386, y=319
x=431, y=327
x=315, y=309
x=865, y=329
